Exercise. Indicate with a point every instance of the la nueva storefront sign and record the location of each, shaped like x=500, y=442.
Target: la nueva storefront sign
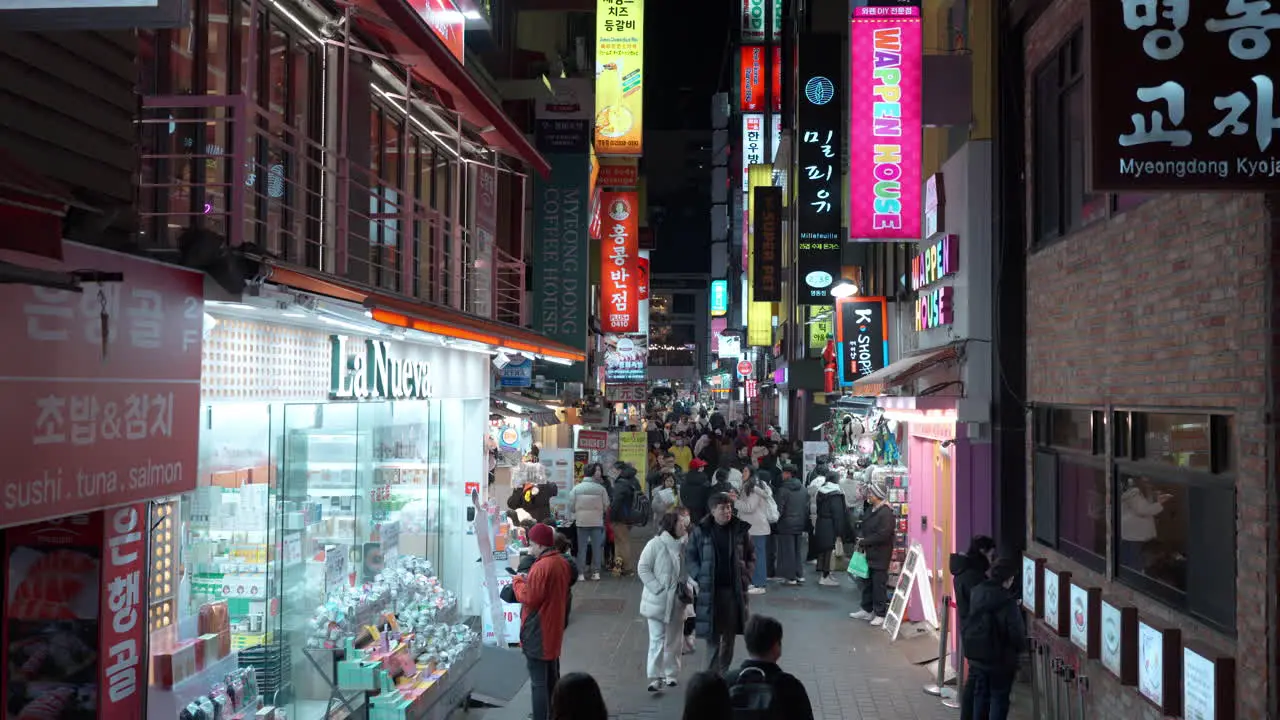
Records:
x=366, y=369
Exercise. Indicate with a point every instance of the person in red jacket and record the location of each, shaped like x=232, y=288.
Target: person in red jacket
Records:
x=542, y=593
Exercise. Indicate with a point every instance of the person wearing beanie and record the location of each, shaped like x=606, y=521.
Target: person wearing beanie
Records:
x=993, y=639
x=543, y=594
x=875, y=537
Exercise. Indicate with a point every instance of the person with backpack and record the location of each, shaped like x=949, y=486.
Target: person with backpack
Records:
x=721, y=558
x=993, y=638
x=761, y=690
x=630, y=507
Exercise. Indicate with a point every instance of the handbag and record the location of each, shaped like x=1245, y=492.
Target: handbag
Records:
x=770, y=510
x=858, y=565
x=686, y=594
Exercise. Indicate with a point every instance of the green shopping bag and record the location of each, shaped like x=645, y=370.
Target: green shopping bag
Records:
x=858, y=565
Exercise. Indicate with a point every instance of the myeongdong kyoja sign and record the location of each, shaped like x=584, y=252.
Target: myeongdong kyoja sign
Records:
x=372, y=370
x=1183, y=94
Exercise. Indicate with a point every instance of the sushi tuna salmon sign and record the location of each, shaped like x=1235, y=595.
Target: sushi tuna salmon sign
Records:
x=885, y=128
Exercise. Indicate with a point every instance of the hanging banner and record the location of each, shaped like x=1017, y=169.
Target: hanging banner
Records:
x=766, y=265
x=619, y=263
x=862, y=333
x=819, y=195
x=560, y=251
x=885, y=131
x=619, y=85
x=759, y=314
x=753, y=21
x=751, y=90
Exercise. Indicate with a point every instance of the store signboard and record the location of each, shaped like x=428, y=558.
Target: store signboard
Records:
x=626, y=392
x=563, y=118
x=517, y=374
x=447, y=22
x=101, y=388
x=626, y=358
x=122, y=615
x=940, y=259
x=1194, y=107
x=821, y=327
x=560, y=252
x=368, y=369
x=730, y=347
x=935, y=308
x=766, y=255
x=719, y=298
x=751, y=71
x=862, y=333
x=885, y=126
x=754, y=21
x=819, y=197
x=753, y=144
x=619, y=281
x=619, y=173
x=619, y=119
x=593, y=440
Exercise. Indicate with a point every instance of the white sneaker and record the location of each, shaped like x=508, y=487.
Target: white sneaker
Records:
x=582, y=578
x=829, y=582
x=753, y=590
x=861, y=615
x=800, y=580
x=595, y=576
x=878, y=621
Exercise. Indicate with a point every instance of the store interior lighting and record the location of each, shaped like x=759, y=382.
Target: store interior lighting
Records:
x=918, y=416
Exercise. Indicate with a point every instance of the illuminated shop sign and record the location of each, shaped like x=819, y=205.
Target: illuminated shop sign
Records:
x=719, y=298
x=935, y=308
x=373, y=370
x=939, y=260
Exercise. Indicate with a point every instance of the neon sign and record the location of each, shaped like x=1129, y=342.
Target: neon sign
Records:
x=941, y=259
x=934, y=308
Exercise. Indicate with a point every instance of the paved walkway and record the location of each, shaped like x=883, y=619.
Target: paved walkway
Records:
x=851, y=670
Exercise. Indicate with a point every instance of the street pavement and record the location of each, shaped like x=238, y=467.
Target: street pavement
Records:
x=851, y=670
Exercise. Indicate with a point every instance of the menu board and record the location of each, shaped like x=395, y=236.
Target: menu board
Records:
x=1199, y=690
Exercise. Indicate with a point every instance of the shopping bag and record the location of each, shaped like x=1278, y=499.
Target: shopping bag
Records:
x=858, y=565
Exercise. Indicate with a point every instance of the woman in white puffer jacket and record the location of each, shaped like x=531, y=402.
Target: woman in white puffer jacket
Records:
x=661, y=569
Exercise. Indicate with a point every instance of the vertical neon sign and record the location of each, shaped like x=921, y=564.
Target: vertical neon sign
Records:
x=886, y=53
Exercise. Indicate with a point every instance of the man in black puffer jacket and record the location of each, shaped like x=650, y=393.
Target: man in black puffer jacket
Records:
x=625, y=489
x=967, y=572
x=793, y=515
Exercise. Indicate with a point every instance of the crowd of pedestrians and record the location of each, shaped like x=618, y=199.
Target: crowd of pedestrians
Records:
x=731, y=514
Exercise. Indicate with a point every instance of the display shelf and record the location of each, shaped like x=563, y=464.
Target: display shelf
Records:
x=169, y=702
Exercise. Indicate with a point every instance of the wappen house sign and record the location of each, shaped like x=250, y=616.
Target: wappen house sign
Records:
x=371, y=370
x=1184, y=94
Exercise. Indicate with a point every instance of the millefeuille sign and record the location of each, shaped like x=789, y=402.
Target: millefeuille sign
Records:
x=38, y=15
x=371, y=370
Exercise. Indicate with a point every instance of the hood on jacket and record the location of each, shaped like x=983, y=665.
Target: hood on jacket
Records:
x=830, y=489
x=793, y=483
x=988, y=595
x=962, y=563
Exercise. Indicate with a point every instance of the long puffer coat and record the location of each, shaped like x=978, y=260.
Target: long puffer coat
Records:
x=830, y=519
x=701, y=565
x=660, y=569
x=793, y=507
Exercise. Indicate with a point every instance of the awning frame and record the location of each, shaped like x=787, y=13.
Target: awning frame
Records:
x=534, y=412
x=905, y=369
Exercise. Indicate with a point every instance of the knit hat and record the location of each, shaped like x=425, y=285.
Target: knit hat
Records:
x=543, y=535
x=876, y=488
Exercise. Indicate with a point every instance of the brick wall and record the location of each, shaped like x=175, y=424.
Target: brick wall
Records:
x=1165, y=305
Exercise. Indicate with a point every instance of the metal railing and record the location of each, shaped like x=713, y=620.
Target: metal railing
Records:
x=224, y=164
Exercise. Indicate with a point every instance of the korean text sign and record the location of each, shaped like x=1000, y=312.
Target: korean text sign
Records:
x=1184, y=94
x=819, y=195
x=885, y=131
x=83, y=432
x=619, y=259
x=444, y=19
x=619, y=84
x=751, y=76
x=123, y=614
x=766, y=265
x=754, y=21
x=862, y=333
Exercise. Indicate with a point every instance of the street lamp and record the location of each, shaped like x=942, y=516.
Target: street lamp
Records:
x=844, y=289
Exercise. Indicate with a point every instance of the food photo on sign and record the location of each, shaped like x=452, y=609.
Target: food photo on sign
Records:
x=625, y=358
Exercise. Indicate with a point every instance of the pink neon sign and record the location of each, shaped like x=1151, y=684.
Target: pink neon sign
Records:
x=884, y=123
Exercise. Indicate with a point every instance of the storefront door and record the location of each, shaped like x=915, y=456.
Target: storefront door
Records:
x=942, y=484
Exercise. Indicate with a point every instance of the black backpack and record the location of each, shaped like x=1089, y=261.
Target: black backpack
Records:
x=641, y=512
x=751, y=695
x=982, y=637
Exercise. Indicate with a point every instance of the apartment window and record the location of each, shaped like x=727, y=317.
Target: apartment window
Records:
x=1069, y=488
x=1059, y=157
x=1175, y=512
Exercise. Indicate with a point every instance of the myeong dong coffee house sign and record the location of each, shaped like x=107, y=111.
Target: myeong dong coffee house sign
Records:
x=1184, y=94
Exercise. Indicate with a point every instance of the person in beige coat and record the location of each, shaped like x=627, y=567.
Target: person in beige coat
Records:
x=661, y=569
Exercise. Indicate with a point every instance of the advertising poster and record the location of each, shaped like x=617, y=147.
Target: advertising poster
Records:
x=751, y=71
x=885, y=131
x=619, y=259
x=633, y=449
x=862, y=334
x=819, y=193
x=619, y=122
x=101, y=388
x=626, y=358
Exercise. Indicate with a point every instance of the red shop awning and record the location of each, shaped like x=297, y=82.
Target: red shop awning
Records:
x=31, y=210
x=411, y=42
x=903, y=370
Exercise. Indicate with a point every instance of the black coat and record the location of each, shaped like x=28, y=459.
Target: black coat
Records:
x=700, y=557
x=625, y=489
x=1010, y=631
x=694, y=494
x=788, y=691
x=966, y=573
x=877, y=533
x=539, y=505
x=830, y=523
x=793, y=507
